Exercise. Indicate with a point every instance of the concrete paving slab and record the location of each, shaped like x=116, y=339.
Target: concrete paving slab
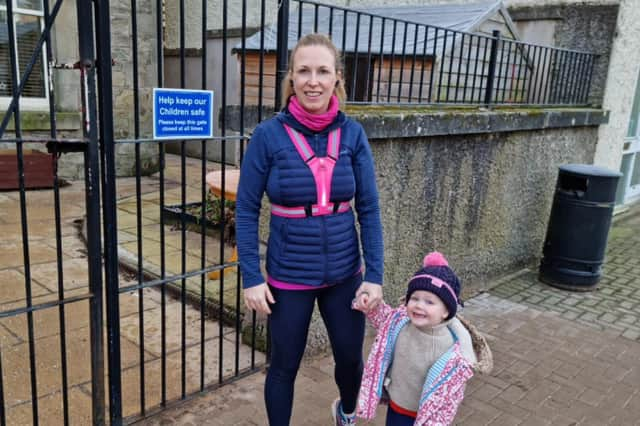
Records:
x=43, y=268
x=47, y=322
x=130, y=327
x=12, y=254
x=127, y=221
x=38, y=229
x=75, y=274
x=72, y=247
x=12, y=286
x=79, y=406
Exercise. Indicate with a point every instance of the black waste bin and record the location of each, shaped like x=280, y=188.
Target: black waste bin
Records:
x=578, y=227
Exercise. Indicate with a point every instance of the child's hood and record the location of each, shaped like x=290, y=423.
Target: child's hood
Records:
x=484, y=363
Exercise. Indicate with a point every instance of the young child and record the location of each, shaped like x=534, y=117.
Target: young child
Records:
x=422, y=355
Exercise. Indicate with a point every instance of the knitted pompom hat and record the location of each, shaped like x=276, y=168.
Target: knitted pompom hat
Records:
x=437, y=277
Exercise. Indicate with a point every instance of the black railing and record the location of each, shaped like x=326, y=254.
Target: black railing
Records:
x=195, y=354
x=395, y=61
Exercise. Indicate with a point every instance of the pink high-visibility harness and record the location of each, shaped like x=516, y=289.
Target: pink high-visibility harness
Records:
x=322, y=169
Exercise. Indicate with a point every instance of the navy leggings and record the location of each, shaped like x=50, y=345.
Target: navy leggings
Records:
x=289, y=322
x=396, y=419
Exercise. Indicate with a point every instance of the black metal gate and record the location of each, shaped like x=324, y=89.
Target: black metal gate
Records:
x=180, y=351
x=174, y=326
x=62, y=299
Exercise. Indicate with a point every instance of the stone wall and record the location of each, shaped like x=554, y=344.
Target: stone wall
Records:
x=576, y=26
x=37, y=125
x=123, y=87
x=484, y=200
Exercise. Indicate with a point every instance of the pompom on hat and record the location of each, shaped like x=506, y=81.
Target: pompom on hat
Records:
x=438, y=278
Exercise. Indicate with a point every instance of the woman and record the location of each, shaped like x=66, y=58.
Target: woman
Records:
x=314, y=163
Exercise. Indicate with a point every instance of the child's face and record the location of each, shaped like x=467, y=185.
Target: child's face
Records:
x=426, y=309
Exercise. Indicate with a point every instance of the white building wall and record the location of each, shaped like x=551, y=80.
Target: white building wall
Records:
x=621, y=82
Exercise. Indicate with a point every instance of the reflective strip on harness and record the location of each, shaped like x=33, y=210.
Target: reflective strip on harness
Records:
x=305, y=151
x=299, y=212
x=322, y=170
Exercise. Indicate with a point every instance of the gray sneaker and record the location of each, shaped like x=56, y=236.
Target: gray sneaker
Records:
x=339, y=418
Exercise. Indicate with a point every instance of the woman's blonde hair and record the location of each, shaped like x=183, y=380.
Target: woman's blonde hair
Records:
x=315, y=39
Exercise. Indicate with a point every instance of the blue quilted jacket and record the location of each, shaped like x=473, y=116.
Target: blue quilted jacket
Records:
x=316, y=250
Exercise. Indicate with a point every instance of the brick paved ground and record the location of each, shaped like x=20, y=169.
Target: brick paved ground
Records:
x=561, y=358
x=614, y=305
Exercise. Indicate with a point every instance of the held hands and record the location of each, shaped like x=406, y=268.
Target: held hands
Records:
x=368, y=296
x=258, y=298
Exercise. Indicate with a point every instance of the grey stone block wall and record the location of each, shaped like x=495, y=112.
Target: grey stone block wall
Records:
x=482, y=200
x=215, y=17
x=578, y=26
x=123, y=84
x=36, y=125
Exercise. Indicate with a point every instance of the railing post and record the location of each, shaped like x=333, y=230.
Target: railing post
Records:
x=492, y=66
x=282, y=50
x=92, y=193
x=105, y=97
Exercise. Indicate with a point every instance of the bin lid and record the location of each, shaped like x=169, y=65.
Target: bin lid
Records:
x=589, y=170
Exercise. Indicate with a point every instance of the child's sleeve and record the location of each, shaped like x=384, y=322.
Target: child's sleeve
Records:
x=379, y=314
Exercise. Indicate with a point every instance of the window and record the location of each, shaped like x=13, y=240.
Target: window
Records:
x=629, y=185
x=634, y=126
x=28, y=24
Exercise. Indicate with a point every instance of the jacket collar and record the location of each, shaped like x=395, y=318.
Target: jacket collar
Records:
x=287, y=118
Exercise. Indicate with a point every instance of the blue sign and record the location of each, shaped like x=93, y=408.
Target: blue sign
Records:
x=182, y=114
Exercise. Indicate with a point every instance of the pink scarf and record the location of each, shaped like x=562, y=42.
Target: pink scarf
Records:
x=315, y=122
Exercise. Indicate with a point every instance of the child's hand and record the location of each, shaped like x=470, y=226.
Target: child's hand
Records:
x=360, y=302
x=368, y=297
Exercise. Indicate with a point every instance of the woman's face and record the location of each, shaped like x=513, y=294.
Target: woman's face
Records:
x=425, y=309
x=314, y=77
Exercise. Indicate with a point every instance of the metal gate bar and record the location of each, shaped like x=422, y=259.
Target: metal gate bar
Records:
x=23, y=214
x=163, y=270
x=92, y=179
x=56, y=146
x=109, y=219
x=58, y=231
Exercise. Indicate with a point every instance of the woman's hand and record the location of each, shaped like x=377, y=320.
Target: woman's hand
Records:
x=368, y=296
x=258, y=298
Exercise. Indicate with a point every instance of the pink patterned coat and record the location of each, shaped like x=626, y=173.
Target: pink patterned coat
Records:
x=444, y=386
